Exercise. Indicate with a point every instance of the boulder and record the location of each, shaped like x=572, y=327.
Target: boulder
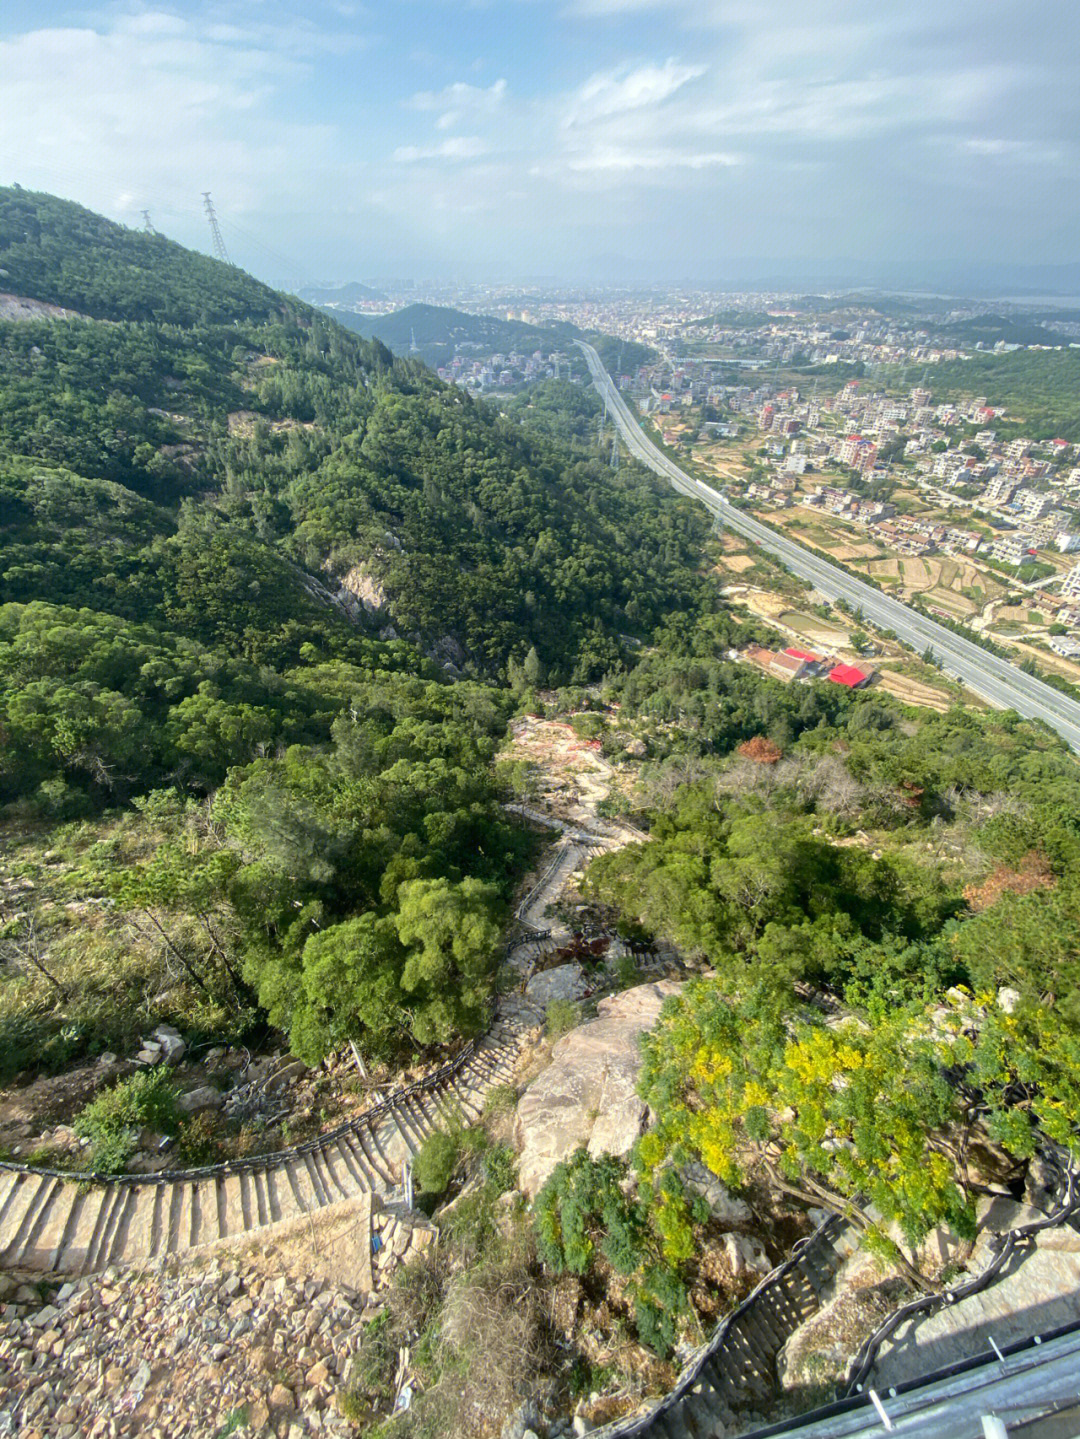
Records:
x=171, y=1045
x=295, y=1069
x=746, y=1256
x=205, y=1097
x=1036, y=1293
x=723, y=1205
x=587, y=1095
x=999, y=1214
x=567, y=981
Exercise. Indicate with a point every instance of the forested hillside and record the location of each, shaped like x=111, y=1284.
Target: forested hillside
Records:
x=256, y=578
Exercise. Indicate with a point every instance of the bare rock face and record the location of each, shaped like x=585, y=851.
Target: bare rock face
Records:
x=587, y=1096
x=365, y=588
x=566, y=981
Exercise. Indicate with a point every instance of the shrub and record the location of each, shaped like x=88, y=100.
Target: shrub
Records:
x=500, y=1168
x=500, y=1100
x=627, y=974
x=583, y=1209
x=563, y=1015
x=113, y=1119
x=436, y=1161
x=197, y=1143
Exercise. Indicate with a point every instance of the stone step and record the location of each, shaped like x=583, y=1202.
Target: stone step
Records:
x=117, y=1235
x=23, y=1205
x=112, y=1202
x=42, y=1216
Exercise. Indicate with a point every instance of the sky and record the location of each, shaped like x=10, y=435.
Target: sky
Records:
x=617, y=141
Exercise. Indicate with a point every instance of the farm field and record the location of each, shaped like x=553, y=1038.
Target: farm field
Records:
x=956, y=586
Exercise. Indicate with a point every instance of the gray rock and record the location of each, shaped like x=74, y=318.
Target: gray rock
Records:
x=1008, y=999
x=172, y=1046
x=723, y=1205
x=567, y=981
x=523, y=1422
x=295, y=1069
x=746, y=1256
x=1037, y=1296
x=205, y=1097
x=587, y=1096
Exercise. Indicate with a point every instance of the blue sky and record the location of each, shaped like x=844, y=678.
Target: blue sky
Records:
x=627, y=140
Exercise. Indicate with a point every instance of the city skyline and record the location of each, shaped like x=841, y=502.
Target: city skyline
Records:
x=616, y=141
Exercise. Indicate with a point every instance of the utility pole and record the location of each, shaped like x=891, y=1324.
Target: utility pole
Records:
x=215, y=230
x=148, y=229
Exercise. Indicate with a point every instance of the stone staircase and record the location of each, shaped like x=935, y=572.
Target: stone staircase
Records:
x=735, y=1371
x=50, y=1222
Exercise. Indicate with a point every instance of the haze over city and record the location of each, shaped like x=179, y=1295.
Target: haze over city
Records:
x=614, y=141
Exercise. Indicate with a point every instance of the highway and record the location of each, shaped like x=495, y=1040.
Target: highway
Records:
x=1000, y=683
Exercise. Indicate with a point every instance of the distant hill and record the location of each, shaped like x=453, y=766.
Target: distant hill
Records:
x=439, y=330
x=994, y=329
x=339, y=294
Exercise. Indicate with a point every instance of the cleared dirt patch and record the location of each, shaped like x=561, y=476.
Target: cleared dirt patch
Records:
x=911, y=692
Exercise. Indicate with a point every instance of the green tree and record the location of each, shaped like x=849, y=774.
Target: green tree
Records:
x=451, y=935
x=350, y=989
x=859, y=1117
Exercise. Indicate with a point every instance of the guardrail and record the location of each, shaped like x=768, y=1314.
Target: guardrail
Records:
x=863, y=1363
x=273, y=1159
x=734, y=1347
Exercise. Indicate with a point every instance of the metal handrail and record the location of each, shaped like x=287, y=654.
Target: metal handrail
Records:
x=1006, y=1244
x=273, y=1159
x=691, y=1371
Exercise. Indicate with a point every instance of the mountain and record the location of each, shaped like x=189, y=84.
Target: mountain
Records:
x=437, y=331
x=339, y=294
x=268, y=598
x=217, y=461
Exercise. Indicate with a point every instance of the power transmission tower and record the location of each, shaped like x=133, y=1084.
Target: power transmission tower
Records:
x=413, y=346
x=148, y=229
x=215, y=230
x=615, y=450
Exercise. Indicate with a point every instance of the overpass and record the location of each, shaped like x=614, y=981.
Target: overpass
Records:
x=996, y=680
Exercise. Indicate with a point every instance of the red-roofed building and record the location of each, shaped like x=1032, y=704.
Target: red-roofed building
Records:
x=811, y=659
x=848, y=675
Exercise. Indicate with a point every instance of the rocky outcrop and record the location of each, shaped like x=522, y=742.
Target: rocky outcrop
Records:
x=18, y=307
x=587, y=1095
x=565, y=981
x=365, y=587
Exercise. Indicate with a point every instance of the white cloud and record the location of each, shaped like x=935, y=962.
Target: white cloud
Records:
x=460, y=101
x=613, y=158
x=149, y=105
x=457, y=147
x=614, y=92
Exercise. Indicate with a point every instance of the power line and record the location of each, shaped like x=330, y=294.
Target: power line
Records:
x=215, y=229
